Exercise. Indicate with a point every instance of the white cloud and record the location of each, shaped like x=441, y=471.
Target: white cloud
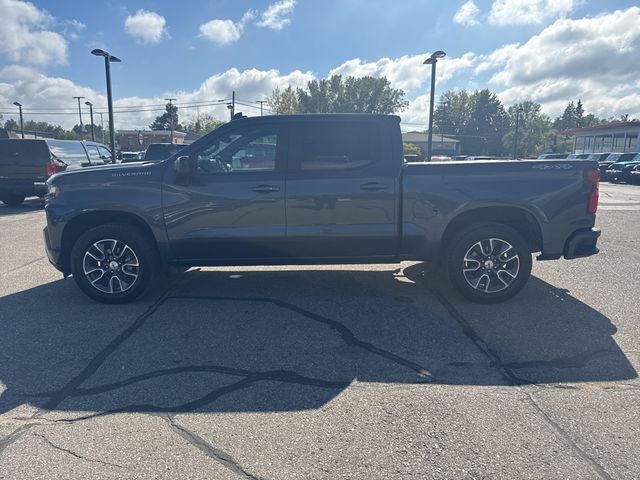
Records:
x=147, y=27
x=526, y=12
x=225, y=32
x=593, y=58
x=38, y=92
x=276, y=15
x=406, y=72
x=467, y=14
x=24, y=37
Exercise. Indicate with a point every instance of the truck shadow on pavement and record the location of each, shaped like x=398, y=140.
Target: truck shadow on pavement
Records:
x=284, y=340
x=30, y=205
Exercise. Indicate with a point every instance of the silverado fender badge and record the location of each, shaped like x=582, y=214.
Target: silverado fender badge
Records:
x=130, y=174
x=554, y=166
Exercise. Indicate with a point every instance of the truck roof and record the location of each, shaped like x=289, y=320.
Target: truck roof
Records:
x=323, y=117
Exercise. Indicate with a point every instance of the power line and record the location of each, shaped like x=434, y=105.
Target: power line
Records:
x=104, y=108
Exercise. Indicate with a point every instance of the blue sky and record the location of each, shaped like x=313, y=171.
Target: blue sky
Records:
x=198, y=51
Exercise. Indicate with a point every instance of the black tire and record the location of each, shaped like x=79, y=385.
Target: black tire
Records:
x=127, y=255
x=487, y=246
x=13, y=199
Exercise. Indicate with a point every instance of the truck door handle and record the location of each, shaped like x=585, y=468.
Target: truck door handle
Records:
x=373, y=186
x=265, y=188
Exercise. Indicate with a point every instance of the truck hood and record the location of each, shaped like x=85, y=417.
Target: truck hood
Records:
x=118, y=169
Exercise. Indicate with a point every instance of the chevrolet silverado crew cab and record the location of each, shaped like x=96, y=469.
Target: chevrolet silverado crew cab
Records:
x=312, y=189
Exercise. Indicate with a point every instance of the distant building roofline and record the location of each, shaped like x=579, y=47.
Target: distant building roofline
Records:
x=604, y=126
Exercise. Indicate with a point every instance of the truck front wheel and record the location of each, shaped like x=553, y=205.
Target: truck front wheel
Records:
x=113, y=263
x=489, y=262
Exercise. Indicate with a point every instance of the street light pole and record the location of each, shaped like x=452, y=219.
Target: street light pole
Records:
x=93, y=136
x=80, y=114
x=170, y=117
x=432, y=60
x=261, y=102
x=108, y=58
x=19, y=105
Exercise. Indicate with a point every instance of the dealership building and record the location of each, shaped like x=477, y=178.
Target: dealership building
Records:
x=616, y=137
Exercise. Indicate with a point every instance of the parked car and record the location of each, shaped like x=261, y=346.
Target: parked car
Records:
x=598, y=157
x=578, y=156
x=331, y=188
x=615, y=171
x=553, y=156
x=612, y=158
x=26, y=163
x=634, y=175
x=161, y=151
x=624, y=169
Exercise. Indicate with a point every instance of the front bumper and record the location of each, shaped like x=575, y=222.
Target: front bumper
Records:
x=53, y=255
x=582, y=243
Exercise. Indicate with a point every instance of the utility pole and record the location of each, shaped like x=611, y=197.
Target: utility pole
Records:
x=261, y=102
x=170, y=116
x=80, y=114
x=93, y=136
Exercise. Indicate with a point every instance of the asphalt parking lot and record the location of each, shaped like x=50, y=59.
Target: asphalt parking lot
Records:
x=358, y=371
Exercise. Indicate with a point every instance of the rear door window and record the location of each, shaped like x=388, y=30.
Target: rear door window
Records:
x=105, y=154
x=336, y=146
x=94, y=155
x=69, y=152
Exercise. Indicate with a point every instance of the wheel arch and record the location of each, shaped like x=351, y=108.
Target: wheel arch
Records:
x=86, y=221
x=517, y=218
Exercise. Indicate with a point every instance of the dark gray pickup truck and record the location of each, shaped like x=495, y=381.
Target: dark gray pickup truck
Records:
x=317, y=189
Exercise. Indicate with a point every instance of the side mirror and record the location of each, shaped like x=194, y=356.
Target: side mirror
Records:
x=182, y=167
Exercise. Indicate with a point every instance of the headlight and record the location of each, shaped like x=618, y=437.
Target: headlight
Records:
x=52, y=191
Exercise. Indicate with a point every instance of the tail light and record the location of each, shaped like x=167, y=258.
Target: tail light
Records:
x=52, y=168
x=593, y=176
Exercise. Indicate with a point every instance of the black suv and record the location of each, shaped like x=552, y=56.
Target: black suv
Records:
x=24, y=163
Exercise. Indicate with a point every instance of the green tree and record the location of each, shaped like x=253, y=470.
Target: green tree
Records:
x=340, y=95
x=478, y=120
x=284, y=102
x=167, y=119
x=11, y=124
x=579, y=111
x=411, y=149
x=534, y=129
x=351, y=95
x=202, y=124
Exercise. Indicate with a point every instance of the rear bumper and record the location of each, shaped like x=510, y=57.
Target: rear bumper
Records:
x=582, y=243
x=16, y=186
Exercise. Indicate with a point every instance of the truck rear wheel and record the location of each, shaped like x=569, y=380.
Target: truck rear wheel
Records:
x=489, y=262
x=113, y=263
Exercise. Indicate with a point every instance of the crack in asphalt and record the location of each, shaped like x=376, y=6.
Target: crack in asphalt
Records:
x=14, y=436
x=285, y=376
x=22, y=266
x=347, y=335
x=97, y=361
x=74, y=454
x=216, y=454
x=513, y=380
